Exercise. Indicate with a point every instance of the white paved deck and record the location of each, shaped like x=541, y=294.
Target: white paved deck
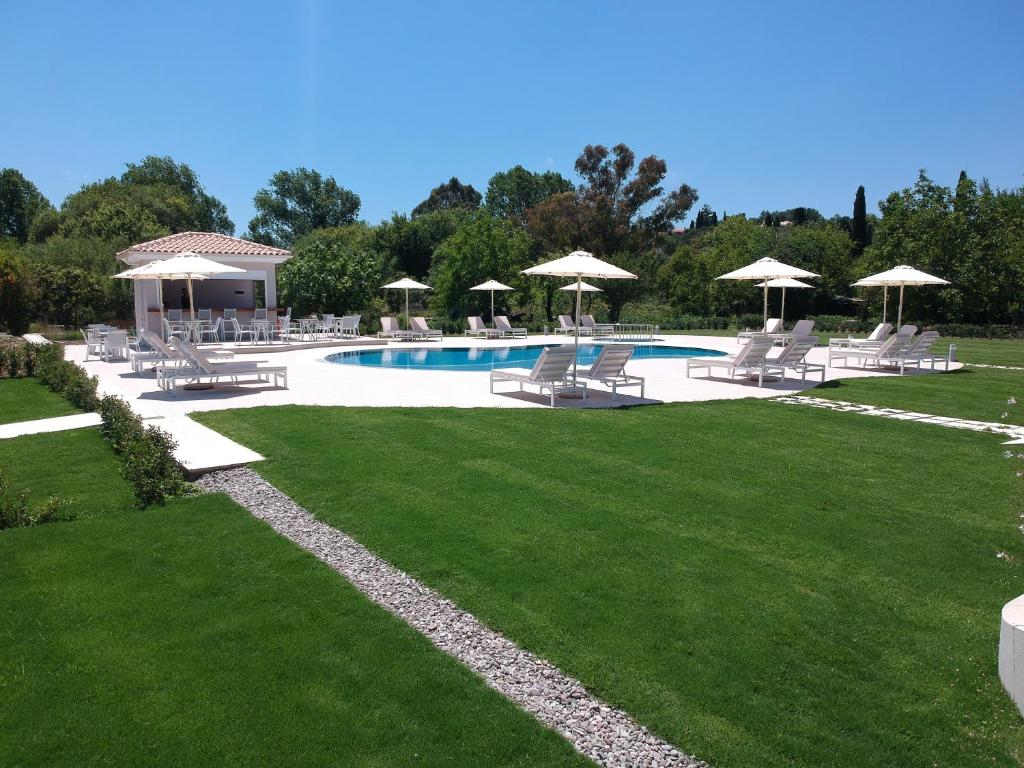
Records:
x=313, y=381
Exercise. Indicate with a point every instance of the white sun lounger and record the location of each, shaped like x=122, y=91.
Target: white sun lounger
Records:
x=161, y=354
x=595, y=328
x=794, y=357
x=478, y=328
x=550, y=372
x=801, y=328
x=920, y=352
x=882, y=356
x=201, y=368
x=567, y=326
x=750, y=361
x=610, y=369
x=505, y=328
x=774, y=325
x=873, y=339
x=419, y=325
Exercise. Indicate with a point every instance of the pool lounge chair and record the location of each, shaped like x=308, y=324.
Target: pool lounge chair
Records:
x=505, y=328
x=873, y=339
x=801, y=328
x=201, y=368
x=479, y=329
x=550, y=372
x=159, y=354
x=750, y=361
x=774, y=325
x=595, y=328
x=389, y=328
x=419, y=325
x=610, y=369
x=920, y=352
x=877, y=357
x=567, y=326
x=794, y=357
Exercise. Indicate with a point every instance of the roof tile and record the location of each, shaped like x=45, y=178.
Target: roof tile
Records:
x=205, y=243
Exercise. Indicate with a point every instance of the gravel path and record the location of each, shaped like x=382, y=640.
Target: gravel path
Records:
x=606, y=735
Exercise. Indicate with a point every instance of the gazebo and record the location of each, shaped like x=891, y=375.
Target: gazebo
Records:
x=236, y=290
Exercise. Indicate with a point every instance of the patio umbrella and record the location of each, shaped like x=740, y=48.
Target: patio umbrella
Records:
x=766, y=269
x=584, y=287
x=408, y=285
x=783, y=283
x=901, y=276
x=138, y=273
x=579, y=264
x=492, y=286
x=186, y=266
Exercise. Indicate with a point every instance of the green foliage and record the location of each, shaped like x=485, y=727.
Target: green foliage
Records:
x=155, y=197
x=65, y=377
x=511, y=193
x=16, y=512
x=452, y=194
x=407, y=245
x=20, y=204
x=15, y=293
x=299, y=202
x=147, y=453
x=484, y=248
x=62, y=292
x=331, y=270
x=17, y=359
x=859, y=223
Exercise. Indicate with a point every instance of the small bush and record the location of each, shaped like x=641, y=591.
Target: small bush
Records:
x=147, y=453
x=65, y=377
x=16, y=513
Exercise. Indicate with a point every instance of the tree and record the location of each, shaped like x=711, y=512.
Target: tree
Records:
x=15, y=308
x=155, y=197
x=63, y=292
x=331, y=270
x=297, y=203
x=859, y=223
x=511, y=193
x=484, y=248
x=20, y=203
x=451, y=194
x=407, y=245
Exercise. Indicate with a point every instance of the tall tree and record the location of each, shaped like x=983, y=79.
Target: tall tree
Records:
x=511, y=193
x=452, y=194
x=331, y=270
x=407, y=245
x=20, y=203
x=298, y=202
x=859, y=224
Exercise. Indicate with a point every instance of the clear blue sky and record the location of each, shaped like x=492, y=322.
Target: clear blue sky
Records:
x=757, y=105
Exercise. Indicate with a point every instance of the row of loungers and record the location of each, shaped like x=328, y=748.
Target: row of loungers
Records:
x=904, y=348
x=588, y=326
x=551, y=372
x=753, y=360
x=502, y=328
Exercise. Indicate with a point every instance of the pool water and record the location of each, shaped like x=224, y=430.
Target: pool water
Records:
x=487, y=358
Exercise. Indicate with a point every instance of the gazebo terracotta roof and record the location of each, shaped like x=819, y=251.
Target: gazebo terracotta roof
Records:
x=205, y=243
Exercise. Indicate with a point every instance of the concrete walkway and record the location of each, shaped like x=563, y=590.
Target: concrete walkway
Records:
x=56, y=424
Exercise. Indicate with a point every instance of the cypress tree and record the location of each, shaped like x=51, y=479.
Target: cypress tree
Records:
x=859, y=225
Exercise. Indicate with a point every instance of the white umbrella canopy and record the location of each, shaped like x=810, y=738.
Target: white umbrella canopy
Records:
x=408, y=284
x=492, y=286
x=185, y=266
x=783, y=283
x=766, y=269
x=585, y=287
x=579, y=264
x=902, y=276
x=139, y=273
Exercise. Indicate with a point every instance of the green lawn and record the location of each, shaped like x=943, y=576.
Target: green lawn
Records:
x=969, y=393
x=193, y=635
x=763, y=585
x=27, y=399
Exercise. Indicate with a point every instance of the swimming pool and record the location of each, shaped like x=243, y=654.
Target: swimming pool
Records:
x=487, y=358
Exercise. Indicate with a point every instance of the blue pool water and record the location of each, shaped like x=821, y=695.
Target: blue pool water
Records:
x=486, y=358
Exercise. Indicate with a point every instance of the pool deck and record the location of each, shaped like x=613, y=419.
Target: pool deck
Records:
x=313, y=381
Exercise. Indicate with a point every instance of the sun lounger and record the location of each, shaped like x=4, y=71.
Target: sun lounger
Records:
x=550, y=372
x=750, y=361
x=878, y=357
x=873, y=339
x=161, y=354
x=567, y=326
x=794, y=357
x=419, y=325
x=478, y=328
x=201, y=368
x=595, y=328
x=920, y=352
x=801, y=328
x=774, y=325
x=610, y=369
x=505, y=328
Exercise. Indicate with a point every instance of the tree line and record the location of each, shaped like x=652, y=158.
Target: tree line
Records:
x=55, y=262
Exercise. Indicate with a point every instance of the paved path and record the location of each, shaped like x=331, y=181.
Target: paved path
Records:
x=56, y=424
x=999, y=428
x=604, y=734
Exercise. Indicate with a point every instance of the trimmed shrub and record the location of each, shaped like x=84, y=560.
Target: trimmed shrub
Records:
x=16, y=513
x=147, y=453
x=65, y=377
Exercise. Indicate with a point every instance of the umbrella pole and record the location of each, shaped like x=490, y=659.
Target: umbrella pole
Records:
x=782, y=312
x=765, y=324
x=492, y=306
x=191, y=301
x=885, y=301
x=408, y=322
x=899, y=316
x=576, y=340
